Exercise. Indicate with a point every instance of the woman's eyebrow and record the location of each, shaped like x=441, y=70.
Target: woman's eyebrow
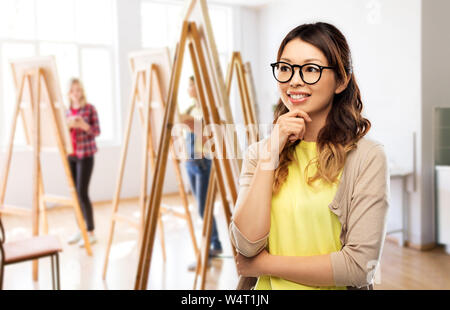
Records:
x=312, y=59
x=305, y=61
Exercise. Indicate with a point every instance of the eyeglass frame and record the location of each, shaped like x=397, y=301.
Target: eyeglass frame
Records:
x=300, y=71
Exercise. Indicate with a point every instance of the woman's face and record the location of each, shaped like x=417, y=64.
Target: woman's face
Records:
x=319, y=96
x=76, y=92
x=191, y=89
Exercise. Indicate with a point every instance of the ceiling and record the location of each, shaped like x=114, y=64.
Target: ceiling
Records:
x=248, y=3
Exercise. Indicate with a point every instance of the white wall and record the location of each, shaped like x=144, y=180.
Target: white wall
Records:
x=435, y=90
x=385, y=40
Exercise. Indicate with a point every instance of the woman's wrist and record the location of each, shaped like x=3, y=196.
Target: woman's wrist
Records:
x=270, y=156
x=277, y=140
x=267, y=264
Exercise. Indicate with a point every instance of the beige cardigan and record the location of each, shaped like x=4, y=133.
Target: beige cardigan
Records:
x=361, y=204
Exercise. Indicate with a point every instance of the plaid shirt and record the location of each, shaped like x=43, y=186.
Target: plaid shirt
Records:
x=85, y=140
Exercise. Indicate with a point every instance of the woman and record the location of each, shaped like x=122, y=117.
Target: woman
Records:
x=198, y=166
x=311, y=209
x=84, y=127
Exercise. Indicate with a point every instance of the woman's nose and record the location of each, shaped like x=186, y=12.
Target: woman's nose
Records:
x=296, y=79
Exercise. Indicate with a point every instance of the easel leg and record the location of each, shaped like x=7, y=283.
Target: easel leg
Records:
x=65, y=161
x=199, y=59
x=161, y=237
x=11, y=139
x=42, y=206
x=200, y=90
x=147, y=150
x=123, y=158
x=36, y=164
x=231, y=67
x=109, y=242
x=161, y=163
x=149, y=156
x=227, y=211
x=203, y=257
x=184, y=200
x=187, y=215
x=209, y=222
x=199, y=73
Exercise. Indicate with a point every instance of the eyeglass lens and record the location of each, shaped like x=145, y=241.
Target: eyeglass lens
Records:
x=284, y=72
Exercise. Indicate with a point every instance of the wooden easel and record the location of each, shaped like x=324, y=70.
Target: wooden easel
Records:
x=224, y=179
x=146, y=83
x=40, y=96
x=244, y=79
x=245, y=86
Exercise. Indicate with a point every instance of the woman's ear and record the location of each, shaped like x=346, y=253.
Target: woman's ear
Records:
x=342, y=86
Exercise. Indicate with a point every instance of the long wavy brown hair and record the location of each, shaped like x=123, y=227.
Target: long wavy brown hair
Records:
x=344, y=124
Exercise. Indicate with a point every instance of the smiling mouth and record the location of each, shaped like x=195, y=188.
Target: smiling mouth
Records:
x=298, y=96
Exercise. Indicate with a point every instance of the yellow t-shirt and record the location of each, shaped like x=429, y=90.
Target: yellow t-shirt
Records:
x=301, y=223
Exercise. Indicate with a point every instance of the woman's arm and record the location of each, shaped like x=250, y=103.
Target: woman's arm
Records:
x=71, y=122
x=84, y=125
x=252, y=211
x=92, y=127
x=187, y=120
x=355, y=264
x=307, y=270
x=251, y=216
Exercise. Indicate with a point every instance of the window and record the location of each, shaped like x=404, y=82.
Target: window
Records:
x=222, y=25
x=160, y=23
x=79, y=33
x=161, y=26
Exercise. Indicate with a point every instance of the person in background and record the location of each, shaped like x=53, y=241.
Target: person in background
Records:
x=84, y=126
x=197, y=165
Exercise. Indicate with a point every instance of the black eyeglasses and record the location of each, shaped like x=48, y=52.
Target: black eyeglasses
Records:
x=310, y=73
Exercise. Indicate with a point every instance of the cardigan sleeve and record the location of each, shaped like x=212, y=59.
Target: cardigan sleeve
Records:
x=355, y=264
x=242, y=244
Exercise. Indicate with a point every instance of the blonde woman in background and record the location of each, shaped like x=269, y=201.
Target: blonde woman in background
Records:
x=84, y=126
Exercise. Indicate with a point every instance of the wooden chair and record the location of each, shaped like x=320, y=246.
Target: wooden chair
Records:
x=30, y=249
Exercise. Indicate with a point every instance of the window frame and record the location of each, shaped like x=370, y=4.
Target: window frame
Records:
x=111, y=49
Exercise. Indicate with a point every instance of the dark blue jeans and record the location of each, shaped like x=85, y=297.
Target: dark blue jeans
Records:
x=198, y=171
x=81, y=173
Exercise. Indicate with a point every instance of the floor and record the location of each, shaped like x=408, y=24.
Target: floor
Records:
x=401, y=268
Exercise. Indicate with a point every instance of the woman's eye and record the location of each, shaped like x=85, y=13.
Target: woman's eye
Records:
x=312, y=69
x=284, y=68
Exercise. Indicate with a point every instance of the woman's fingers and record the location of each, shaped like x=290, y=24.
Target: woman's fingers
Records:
x=298, y=113
x=293, y=128
x=294, y=125
x=293, y=138
x=295, y=121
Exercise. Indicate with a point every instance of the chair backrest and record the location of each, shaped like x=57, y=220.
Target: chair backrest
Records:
x=2, y=253
x=2, y=232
